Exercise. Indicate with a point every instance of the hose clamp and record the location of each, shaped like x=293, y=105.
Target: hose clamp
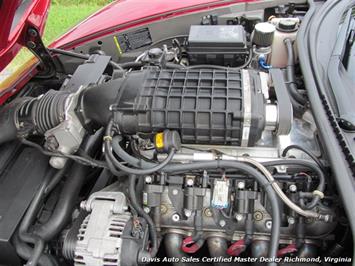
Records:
x=318, y=193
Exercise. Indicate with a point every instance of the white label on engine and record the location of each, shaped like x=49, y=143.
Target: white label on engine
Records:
x=220, y=194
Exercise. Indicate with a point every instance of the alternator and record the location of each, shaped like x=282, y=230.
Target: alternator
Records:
x=109, y=231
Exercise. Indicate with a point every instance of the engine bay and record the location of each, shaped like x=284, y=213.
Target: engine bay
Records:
x=197, y=148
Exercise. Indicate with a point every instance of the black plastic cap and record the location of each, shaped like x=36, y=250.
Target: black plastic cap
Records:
x=287, y=25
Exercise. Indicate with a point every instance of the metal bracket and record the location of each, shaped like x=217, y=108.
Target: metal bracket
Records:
x=34, y=43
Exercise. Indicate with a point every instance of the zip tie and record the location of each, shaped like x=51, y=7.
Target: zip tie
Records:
x=107, y=138
x=318, y=193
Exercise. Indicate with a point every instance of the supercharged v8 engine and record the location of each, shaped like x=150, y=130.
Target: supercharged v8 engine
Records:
x=203, y=149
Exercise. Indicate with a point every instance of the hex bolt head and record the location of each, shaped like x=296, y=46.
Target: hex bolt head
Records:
x=31, y=45
x=175, y=217
x=293, y=188
x=189, y=182
x=146, y=209
x=239, y=217
x=291, y=220
x=258, y=216
x=148, y=179
x=163, y=209
x=208, y=212
x=222, y=223
x=241, y=185
x=187, y=212
x=32, y=32
x=175, y=192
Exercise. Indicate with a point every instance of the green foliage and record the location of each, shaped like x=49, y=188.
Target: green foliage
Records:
x=62, y=17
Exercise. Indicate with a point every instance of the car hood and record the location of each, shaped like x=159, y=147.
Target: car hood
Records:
x=16, y=17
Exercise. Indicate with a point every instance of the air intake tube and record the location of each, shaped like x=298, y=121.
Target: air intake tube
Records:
x=26, y=116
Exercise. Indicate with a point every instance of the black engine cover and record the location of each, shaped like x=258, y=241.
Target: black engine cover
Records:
x=204, y=105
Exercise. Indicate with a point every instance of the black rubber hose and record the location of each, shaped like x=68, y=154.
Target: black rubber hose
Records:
x=57, y=177
x=134, y=202
x=290, y=72
x=309, y=165
x=25, y=252
x=142, y=163
x=70, y=191
x=128, y=65
x=8, y=127
x=28, y=220
x=310, y=154
x=135, y=171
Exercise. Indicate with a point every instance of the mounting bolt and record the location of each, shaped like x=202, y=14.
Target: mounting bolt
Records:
x=187, y=212
x=268, y=224
x=175, y=191
x=258, y=216
x=291, y=220
x=293, y=188
x=163, y=209
x=148, y=179
x=32, y=32
x=146, y=209
x=222, y=223
x=189, y=182
x=175, y=217
x=239, y=217
x=241, y=185
x=31, y=45
x=207, y=212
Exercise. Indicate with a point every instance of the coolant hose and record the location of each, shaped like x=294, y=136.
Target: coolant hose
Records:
x=290, y=72
x=70, y=191
x=28, y=220
x=25, y=252
x=318, y=193
x=110, y=158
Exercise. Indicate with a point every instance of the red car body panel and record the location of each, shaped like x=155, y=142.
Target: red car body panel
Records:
x=124, y=14
x=118, y=16
x=11, y=40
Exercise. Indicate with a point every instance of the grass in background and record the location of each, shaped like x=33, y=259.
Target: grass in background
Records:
x=63, y=15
